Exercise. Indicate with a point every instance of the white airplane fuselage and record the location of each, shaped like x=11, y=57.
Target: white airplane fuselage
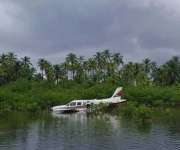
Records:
x=82, y=105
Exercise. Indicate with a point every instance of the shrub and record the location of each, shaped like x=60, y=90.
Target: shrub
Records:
x=129, y=110
x=153, y=95
x=26, y=95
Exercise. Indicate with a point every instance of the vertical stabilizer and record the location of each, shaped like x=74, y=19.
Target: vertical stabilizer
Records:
x=118, y=92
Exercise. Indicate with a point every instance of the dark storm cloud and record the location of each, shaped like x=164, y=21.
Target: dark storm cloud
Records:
x=51, y=29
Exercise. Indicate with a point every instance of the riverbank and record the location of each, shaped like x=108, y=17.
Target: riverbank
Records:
x=24, y=95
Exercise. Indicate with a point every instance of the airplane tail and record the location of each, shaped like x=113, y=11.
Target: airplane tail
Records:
x=118, y=92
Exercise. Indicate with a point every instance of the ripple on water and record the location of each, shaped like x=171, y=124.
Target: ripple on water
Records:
x=81, y=132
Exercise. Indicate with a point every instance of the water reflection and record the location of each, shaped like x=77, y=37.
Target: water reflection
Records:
x=81, y=131
x=84, y=118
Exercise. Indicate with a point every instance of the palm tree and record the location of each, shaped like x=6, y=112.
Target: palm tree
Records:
x=99, y=66
x=133, y=74
x=117, y=60
x=26, y=61
x=3, y=58
x=12, y=68
x=92, y=67
x=107, y=55
x=127, y=74
x=49, y=73
x=98, y=58
x=27, y=69
x=41, y=64
x=149, y=67
x=71, y=61
x=10, y=65
x=86, y=69
x=107, y=63
x=11, y=56
x=17, y=69
x=56, y=72
x=80, y=70
x=172, y=69
x=63, y=71
x=3, y=72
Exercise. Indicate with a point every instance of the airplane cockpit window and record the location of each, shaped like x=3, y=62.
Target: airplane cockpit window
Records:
x=72, y=104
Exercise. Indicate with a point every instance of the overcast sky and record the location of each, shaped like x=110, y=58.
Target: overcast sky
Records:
x=54, y=28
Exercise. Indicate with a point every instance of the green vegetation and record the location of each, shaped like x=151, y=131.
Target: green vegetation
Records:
x=25, y=95
x=135, y=111
x=146, y=84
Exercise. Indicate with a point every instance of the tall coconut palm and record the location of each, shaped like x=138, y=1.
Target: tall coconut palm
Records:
x=107, y=62
x=107, y=55
x=41, y=64
x=172, y=70
x=26, y=61
x=92, y=67
x=149, y=67
x=3, y=72
x=99, y=59
x=86, y=69
x=10, y=65
x=11, y=56
x=133, y=74
x=3, y=58
x=127, y=74
x=71, y=61
x=80, y=71
x=56, y=69
x=117, y=60
x=17, y=69
x=27, y=69
x=49, y=73
x=63, y=71
x=99, y=66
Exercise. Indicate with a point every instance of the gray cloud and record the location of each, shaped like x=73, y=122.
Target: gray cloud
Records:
x=51, y=29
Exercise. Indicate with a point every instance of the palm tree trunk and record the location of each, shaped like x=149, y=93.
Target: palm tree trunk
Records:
x=42, y=74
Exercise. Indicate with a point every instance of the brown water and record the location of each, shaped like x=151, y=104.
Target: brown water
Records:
x=22, y=131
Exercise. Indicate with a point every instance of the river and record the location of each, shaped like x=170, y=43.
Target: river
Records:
x=47, y=131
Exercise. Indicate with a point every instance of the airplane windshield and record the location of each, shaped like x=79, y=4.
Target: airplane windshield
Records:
x=72, y=104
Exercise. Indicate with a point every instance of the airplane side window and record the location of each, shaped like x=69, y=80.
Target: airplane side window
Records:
x=78, y=103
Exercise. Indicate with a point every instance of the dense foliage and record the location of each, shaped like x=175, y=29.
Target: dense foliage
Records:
x=23, y=88
x=102, y=67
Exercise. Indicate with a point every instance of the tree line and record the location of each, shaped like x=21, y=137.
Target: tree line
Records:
x=102, y=67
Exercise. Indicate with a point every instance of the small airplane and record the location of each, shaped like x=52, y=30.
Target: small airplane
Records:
x=82, y=105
